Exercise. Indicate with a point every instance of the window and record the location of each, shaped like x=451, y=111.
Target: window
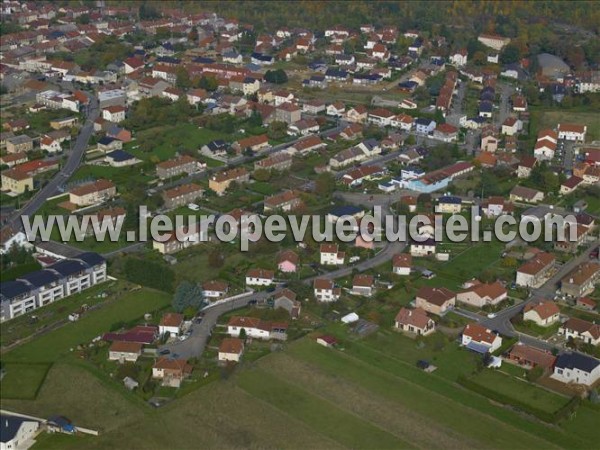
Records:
x=559, y=371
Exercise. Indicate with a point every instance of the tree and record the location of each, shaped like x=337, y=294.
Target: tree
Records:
x=208, y=83
x=325, y=184
x=262, y=175
x=277, y=130
x=193, y=35
x=277, y=76
x=187, y=295
x=535, y=373
x=183, y=78
x=242, y=334
x=510, y=55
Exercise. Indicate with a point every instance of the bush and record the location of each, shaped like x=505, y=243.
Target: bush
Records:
x=150, y=274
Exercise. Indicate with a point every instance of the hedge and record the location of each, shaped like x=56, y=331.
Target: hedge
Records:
x=553, y=418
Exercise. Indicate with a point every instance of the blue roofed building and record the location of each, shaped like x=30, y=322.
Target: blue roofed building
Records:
x=42, y=287
x=345, y=211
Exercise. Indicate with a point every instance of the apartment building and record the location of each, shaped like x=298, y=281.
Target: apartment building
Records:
x=182, y=195
x=42, y=287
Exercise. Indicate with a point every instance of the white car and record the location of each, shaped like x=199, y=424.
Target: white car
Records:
x=491, y=315
x=193, y=207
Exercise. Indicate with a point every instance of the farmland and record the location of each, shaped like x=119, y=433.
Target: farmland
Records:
x=369, y=394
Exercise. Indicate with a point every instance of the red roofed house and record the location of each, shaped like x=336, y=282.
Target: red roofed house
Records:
x=543, y=313
x=363, y=284
x=445, y=132
x=572, y=132
x=231, y=349
x=259, y=277
x=401, y=264
x=325, y=290
x=171, y=371
x=327, y=341
x=415, y=321
x=482, y=294
x=480, y=339
x=530, y=357
x=436, y=300
x=171, y=323
x=535, y=270
x=287, y=261
x=124, y=351
x=331, y=256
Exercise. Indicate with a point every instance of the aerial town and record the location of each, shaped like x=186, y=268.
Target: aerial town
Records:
x=121, y=113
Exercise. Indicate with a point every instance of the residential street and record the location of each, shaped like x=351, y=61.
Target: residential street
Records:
x=74, y=159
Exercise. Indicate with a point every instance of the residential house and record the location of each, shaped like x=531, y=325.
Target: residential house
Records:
x=363, y=285
x=124, y=351
x=92, y=193
x=16, y=181
x=325, y=290
x=569, y=185
x=445, y=133
x=572, y=132
x=260, y=277
x=303, y=127
x=525, y=194
x=480, y=339
x=357, y=114
x=448, y=204
x=581, y=280
x=536, y=270
x=115, y=113
x=336, y=109
x=252, y=143
x=423, y=248
x=222, y=180
x=171, y=372
x=286, y=299
x=529, y=357
x=171, y=323
x=436, y=300
x=331, y=256
x=182, y=195
x=381, y=117
x=586, y=303
x=496, y=206
x=256, y=328
x=231, y=349
x=414, y=321
x=525, y=166
x=306, y=145
x=543, y=313
x=108, y=144
x=425, y=126
x=278, y=161
x=545, y=146
x=215, y=289
x=174, y=167
x=576, y=368
x=401, y=264
x=19, y=144
x=480, y=294
x=18, y=432
x=285, y=201
x=287, y=261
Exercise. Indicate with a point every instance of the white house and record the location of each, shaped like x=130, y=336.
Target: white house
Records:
x=480, y=339
x=459, y=58
x=331, y=256
x=171, y=323
x=231, y=349
x=542, y=313
x=576, y=368
x=18, y=433
x=259, y=277
x=115, y=113
x=215, y=289
x=401, y=264
x=572, y=132
x=325, y=290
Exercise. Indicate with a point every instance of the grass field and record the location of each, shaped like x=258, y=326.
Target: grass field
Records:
x=550, y=119
x=52, y=346
x=368, y=395
x=22, y=380
x=520, y=390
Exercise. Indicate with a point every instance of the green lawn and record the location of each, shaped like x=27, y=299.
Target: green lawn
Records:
x=323, y=416
x=169, y=140
x=520, y=390
x=550, y=119
x=53, y=346
x=22, y=380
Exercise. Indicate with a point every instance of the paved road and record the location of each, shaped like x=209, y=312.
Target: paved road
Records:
x=194, y=345
x=501, y=322
x=73, y=161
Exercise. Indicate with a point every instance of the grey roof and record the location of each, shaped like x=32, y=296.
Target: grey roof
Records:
x=577, y=361
x=68, y=267
x=40, y=277
x=552, y=62
x=9, y=426
x=12, y=289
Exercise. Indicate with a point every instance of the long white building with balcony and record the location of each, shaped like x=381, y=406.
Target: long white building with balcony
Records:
x=57, y=281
